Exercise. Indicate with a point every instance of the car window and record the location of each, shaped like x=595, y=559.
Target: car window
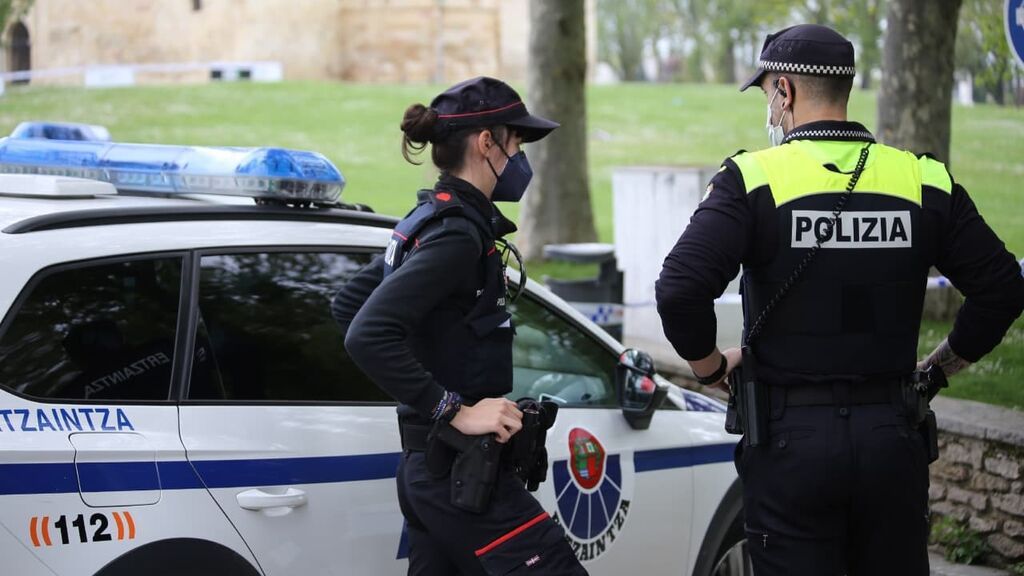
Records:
x=266, y=333
x=99, y=331
x=554, y=358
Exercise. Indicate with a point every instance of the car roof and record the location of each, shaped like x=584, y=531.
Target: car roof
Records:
x=20, y=214
x=40, y=229
x=103, y=225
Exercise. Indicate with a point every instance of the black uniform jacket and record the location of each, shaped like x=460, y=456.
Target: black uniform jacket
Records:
x=864, y=290
x=412, y=333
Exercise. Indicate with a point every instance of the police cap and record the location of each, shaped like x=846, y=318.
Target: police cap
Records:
x=805, y=49
x=483, y=102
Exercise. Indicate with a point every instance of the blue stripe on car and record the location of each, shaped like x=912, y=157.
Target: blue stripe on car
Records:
x=684, y=457
x=61, y=478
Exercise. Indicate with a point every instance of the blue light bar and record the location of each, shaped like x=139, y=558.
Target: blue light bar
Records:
x=61, y=131
x=292, y=176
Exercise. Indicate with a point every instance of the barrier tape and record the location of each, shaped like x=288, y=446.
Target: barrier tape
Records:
x=168, y=67
x=934, y=283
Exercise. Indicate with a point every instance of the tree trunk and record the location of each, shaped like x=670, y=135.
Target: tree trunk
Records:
x=865, y=79
x=630, y=52
x=726, y=72
x=557, y=207
x=999, y=86
x=915, y=101
x=869, y=32
x=695, y=64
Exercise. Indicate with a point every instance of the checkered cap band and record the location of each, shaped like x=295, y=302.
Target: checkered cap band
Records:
x=812, y=69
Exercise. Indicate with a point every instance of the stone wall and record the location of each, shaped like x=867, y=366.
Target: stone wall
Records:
x=979, y=477
x=358, y=40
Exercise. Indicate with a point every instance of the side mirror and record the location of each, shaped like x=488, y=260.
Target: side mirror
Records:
x=639, y=395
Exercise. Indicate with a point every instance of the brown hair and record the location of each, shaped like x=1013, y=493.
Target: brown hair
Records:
x=823, y=89
x=448, y=150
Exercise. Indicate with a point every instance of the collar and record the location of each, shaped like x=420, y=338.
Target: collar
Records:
x=830, y=130
x=474, y=199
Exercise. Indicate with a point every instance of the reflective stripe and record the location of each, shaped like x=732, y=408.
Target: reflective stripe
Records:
x=935, y=175
x=750, y=168
x=796, y=170
x=61, y=478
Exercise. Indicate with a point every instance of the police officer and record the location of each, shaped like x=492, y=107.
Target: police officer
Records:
x=840, y=483
x=428, y=323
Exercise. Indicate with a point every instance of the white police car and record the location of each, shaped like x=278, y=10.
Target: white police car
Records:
x=175, y=398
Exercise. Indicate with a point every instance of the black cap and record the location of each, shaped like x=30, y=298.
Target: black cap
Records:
x=805, y=49
x=483, y=101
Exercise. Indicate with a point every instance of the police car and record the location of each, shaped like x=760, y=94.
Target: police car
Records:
x=175, y=398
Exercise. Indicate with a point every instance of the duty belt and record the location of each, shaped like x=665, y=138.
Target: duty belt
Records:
x=414, y=436
x=831, y=394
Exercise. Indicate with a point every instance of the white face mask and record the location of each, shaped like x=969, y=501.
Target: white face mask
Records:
x=775, y=133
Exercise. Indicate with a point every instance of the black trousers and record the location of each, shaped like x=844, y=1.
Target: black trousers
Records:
x=514, y=536
x=838, y=490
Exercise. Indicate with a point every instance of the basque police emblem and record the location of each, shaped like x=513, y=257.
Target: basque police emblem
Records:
x=592, y=494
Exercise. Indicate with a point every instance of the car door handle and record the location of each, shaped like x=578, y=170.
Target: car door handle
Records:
x=263, y=498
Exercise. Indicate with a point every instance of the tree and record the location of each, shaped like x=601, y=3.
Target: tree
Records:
x=915, y=102
x=11, y=10
x=690, y=16
x=557, y=209
x=625, y=27
x=861, y=19
x=982, y=50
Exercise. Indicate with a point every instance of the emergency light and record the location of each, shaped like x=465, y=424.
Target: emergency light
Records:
x=61, y=131
x=291, y=176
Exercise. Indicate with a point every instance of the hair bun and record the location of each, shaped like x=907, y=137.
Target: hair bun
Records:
x=418, y=123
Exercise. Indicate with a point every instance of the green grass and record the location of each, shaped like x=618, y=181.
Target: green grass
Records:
x=357, y=127
x=996, y=379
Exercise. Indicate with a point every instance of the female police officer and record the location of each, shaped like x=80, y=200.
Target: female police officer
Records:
x=427, y=323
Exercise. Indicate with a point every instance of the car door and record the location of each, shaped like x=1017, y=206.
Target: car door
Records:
x=91, y=466
x=296, y=445
x=624, y=496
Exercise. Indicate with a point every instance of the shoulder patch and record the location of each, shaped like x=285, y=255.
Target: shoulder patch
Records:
x=709, y=189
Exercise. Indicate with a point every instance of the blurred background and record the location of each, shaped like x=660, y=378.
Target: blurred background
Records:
x=634, y=82
x=646, y=91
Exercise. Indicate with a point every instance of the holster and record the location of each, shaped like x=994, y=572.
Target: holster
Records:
x=527, y=448
x=473, y=462
x=747, y=411
x=918, y=391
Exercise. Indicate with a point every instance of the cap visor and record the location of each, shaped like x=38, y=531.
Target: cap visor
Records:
x=755, y=79
x=532, y=128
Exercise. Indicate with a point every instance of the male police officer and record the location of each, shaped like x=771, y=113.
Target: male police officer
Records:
x=839, y=483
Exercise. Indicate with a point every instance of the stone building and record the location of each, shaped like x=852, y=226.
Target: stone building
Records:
x=385, y=41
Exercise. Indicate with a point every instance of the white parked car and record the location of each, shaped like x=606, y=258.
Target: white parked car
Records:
x=175, y=398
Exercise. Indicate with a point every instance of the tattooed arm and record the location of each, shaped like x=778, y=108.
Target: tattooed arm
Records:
x=945, y=358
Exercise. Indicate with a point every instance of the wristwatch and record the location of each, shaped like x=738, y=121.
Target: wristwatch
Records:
x=714, y=377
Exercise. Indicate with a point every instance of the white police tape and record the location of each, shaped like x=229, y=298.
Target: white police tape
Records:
x=603, y=313
x=934, y=283
x=124, y=74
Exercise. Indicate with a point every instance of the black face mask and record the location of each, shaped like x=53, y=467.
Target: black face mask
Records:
x=514, y=178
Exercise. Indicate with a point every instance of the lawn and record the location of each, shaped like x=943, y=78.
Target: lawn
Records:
x=357, y=127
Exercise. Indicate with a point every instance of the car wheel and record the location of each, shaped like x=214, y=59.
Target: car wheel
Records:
x=732, y=558
x=180, y=557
